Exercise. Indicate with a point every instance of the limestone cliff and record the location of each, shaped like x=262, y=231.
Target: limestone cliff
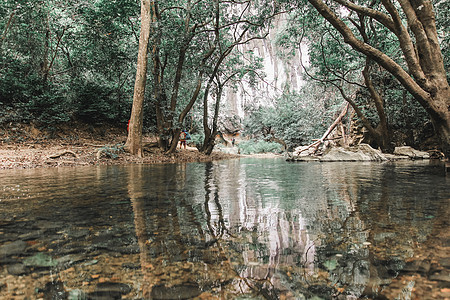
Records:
x=280, y=72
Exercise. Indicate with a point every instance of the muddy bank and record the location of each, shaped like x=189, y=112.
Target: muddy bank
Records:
x=27, y=147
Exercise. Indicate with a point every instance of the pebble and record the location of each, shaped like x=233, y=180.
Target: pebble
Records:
x=17, y=269
x=14, y=248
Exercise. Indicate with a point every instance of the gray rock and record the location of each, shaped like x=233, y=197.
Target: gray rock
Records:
x=445, y=262
x=79, y=233
x=17, y=269
x=417, y=266
x=184, y=291
x=69, y=260
x=131, y=266
x=442, y=276
x=76, y=295
x=113, y=287
x=100, y=295
x=14, y=248
x=362, y=152
x=40, y=260
x=32, y=235
x=411, y=152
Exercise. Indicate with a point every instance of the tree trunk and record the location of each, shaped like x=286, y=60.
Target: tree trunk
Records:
x=134, y=140
x=188, y=107
x=381, y=133
x=8, y=24
x=426, y=79
x=210, y=134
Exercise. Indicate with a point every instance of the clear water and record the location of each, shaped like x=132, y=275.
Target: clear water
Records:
x=237, y=229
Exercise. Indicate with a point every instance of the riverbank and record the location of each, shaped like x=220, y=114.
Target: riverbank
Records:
x=27, y=147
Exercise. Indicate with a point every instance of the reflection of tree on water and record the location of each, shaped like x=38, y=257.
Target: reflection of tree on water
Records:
x=178, y=257
x=241, y=283
x=365, y=250
x=214, y=231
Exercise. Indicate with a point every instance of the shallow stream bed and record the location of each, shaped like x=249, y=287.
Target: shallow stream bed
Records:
x=249, y=228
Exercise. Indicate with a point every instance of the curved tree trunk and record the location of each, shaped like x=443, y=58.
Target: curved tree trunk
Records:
x=381, y=133
x=428, y=80
x=134, y=140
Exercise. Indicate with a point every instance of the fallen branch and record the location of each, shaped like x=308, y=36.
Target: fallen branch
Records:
x=317, y=143
x=63, y=153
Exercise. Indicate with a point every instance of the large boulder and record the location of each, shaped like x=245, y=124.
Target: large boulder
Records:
x=411, y=153
x=361, y=152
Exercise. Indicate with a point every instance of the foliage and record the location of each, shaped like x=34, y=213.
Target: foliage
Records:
x=258, y=146
x=333, y=62
x=63, y=61
x=296, y=118
x=443, y=24
x=196, y=139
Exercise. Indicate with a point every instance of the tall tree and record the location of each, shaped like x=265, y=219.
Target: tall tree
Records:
x=227, y=63
x=134, y=140
x=425, y=77
x=181, y=35
x=183, y=45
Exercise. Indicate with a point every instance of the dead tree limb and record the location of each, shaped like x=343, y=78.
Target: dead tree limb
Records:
x=63, y=153
x=338, y=120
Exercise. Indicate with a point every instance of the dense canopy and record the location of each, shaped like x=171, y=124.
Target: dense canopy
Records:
x=68, y=62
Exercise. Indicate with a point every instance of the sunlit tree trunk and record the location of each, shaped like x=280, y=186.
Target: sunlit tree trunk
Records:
x=134, y=140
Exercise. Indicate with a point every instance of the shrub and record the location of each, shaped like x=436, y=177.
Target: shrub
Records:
x=253, y=147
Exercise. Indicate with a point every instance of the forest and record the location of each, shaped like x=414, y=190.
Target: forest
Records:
x=99, y=200
x=164, y=66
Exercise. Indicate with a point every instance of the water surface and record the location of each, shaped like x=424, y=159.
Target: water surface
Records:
x=237, y=229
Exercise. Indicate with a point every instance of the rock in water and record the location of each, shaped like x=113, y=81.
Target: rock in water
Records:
x=113, y=287
x=183, y=291
x=17, y=269
x=14, y=248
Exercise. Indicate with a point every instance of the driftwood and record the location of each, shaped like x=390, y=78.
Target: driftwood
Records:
x=338, y=120
x=63, y=153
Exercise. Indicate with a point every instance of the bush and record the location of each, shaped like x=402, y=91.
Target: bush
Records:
x=253, y=147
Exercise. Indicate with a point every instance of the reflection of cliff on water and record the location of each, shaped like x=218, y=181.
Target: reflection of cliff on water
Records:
x=249, y=228
x=329, y=229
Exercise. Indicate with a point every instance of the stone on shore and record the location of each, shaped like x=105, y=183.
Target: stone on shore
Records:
x=411, y=152
x=362, y=152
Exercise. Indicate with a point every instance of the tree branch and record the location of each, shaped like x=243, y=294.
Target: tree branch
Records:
x=7, y=26
x=415, y=88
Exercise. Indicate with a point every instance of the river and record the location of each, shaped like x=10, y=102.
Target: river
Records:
x=249, y=228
